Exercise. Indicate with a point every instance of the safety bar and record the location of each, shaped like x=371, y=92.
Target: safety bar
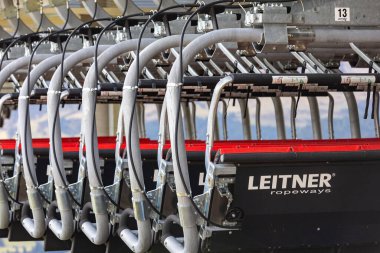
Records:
x=4, y=205
x=63, y=228
x=99, y=234
x=35, y=226
x=129, y=90
x=314, y=66
x=185, y=208
x=212, y=116
x=279, y=112
x=5, y=73
x=313, y=103
x=332, y=80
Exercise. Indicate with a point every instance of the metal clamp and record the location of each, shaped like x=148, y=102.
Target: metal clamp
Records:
x=47, y=189
x=274, y=20
x=140, y=210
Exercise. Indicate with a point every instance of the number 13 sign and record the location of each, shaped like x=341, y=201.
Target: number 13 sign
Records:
x=342, y=14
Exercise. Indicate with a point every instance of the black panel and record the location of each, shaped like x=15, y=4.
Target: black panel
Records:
x=116, y=245
x=52, y=243
x=17, y=233
x=305, y=204
x=4, y=233
x=354, y=188
x=81, y=244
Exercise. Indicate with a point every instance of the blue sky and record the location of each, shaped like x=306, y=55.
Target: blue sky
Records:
x=70, y=119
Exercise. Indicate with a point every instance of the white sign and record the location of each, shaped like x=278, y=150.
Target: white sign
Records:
x=289, y=80
x=342, y=14
x=358, y=79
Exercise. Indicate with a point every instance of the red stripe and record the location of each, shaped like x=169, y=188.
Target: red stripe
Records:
x=236, y=146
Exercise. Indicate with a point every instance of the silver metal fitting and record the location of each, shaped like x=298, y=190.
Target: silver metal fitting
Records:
x=159, y=29
x=98, y=202
x=140, y=210
x=33, y=198
x=186, y=216
x=204, y=24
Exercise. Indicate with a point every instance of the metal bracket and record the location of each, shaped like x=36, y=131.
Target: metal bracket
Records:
x=165, y=168
x=163, y=175
x=205, y=232
x=159, y=29
x=47, y=189
x=222, y=187
x=245, y=49
x=12, y=184
x=120, y=36
x=274, y=20
x=157, y=225
x=82, y=169
x=113, y=193
x=120, y=166
x=76, y=189
x=203, y=203
x=204, y=23
x=153, y=195
x=163, y=178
